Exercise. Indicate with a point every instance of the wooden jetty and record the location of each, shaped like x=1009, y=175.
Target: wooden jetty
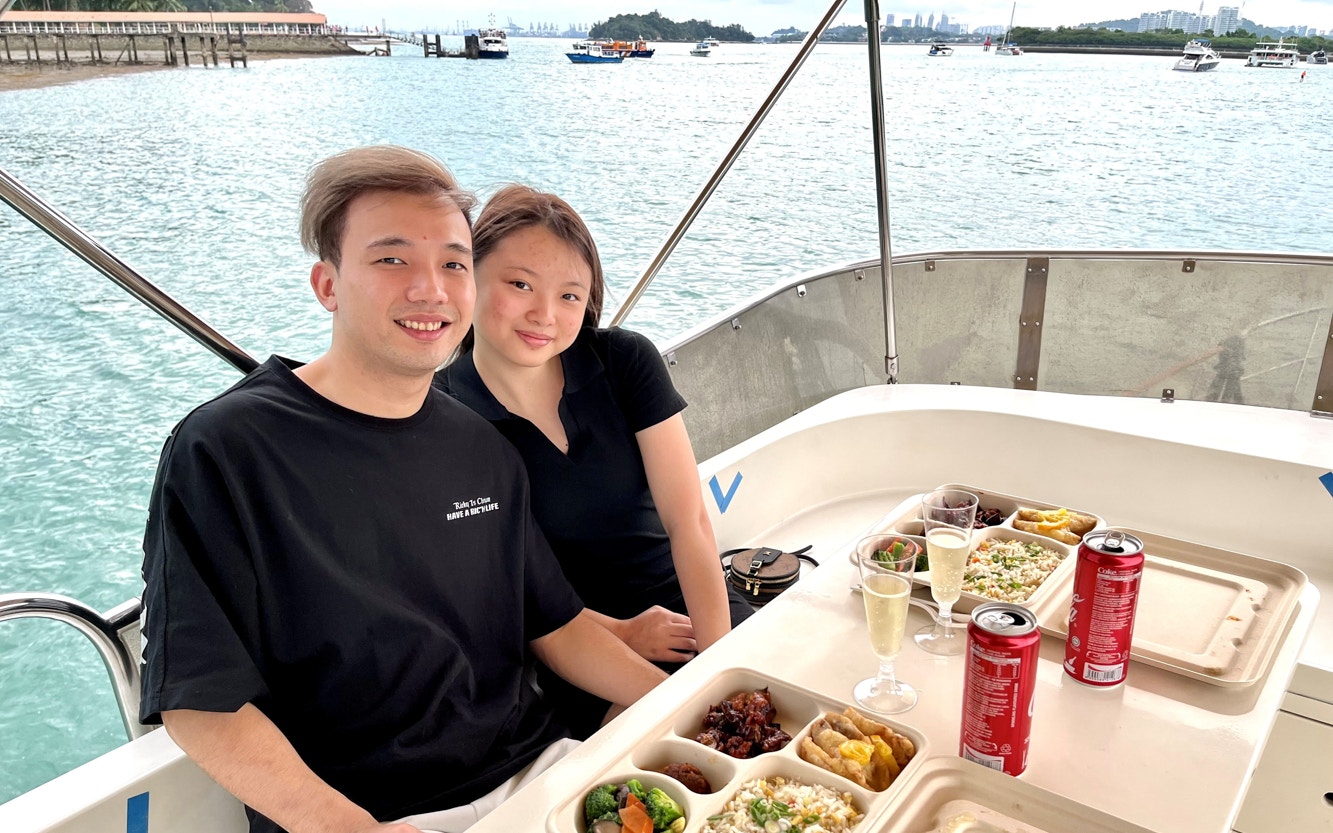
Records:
x=174, y=48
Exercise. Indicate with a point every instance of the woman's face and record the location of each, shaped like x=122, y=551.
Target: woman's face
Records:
x=532, y=292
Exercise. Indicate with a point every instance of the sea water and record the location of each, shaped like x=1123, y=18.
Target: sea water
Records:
x=192, y=177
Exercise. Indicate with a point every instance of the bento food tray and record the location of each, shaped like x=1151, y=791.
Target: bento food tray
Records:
x=672, y=741
x=1206, y=613
x=907, y=516
x=951, y=795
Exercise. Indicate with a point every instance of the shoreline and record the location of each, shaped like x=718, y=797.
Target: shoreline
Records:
x=32, y=76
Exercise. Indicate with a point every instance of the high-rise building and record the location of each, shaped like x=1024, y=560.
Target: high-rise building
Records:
x=930, y=21
x=944, y=22
x=1228, y=20
x=888, y=21
x=919, y=20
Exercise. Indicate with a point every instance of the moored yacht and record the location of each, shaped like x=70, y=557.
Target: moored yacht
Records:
x=1273, y=55
x=1199, y=56
x=1319, y=56
x=940, y=49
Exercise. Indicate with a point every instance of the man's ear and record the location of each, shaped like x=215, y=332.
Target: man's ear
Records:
x=322, y=277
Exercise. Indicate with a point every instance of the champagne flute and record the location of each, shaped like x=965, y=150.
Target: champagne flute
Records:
x=948, y=515
x=886, y=582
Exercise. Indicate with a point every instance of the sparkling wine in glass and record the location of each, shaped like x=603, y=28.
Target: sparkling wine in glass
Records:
x=948, y=515
x=886, y=582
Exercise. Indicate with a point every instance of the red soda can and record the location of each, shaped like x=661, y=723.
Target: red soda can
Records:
x=999, y=682
x=1101, y=616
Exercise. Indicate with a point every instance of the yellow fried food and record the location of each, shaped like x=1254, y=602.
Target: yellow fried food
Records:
x=856, y=750
x=1064, y=535
x=854, y=746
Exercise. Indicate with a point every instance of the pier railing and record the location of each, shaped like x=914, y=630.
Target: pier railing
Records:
x=11, y=27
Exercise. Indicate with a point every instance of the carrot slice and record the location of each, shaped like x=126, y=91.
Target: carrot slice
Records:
x=634, y=819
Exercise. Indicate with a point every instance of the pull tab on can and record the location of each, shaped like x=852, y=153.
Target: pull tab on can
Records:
x=1114, y=541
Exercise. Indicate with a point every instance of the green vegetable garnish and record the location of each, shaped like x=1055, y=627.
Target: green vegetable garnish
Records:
x=763, y=810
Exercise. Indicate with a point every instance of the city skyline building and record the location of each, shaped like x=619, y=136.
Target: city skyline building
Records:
x=1228, y=20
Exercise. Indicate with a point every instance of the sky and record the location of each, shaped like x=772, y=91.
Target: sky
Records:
x=761, y=17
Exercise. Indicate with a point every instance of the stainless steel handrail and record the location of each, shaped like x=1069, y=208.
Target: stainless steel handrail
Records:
x=105, y=634
x=882, y=190
x=678, y=233
x=64, y=232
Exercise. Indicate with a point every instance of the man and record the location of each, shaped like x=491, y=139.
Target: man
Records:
x=343, y=577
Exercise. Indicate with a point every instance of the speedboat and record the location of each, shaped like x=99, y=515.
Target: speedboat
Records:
x=586, y=52
x=1273, y=55
x=940, y=49
x=1198, y=56
x=1319, y=56
x=702, y=49
x=1195, y=415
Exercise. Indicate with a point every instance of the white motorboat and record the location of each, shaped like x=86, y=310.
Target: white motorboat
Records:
x=940, y=49
x=1319, y=56
x=493, y=42
x=1195, y=413
x=702, y=49
x=1199, y=56
x=712, y=42
x=1273, y=55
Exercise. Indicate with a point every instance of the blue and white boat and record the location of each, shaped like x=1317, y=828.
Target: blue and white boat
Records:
x=586, y=52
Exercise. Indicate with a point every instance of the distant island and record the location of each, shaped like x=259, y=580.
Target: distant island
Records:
x=654, y=27
x=1240, y=39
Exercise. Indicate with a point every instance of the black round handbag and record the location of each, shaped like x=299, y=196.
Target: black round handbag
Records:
x=761, y=573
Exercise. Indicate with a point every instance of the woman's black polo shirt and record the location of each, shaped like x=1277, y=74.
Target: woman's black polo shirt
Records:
x=594, y=504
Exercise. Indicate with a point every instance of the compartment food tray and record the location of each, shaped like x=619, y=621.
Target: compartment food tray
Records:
x=951, y=795
x=672, y=741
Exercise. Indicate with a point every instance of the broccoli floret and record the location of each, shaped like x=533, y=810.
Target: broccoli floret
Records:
x=600, y=802
x=640, y=792
x=662, y=809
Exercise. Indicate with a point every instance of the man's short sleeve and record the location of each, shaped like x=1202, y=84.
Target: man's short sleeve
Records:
x=550, y=602
x=640, y=380
x=200, y=594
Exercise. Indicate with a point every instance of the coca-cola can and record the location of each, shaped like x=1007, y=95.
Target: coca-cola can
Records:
x=1101, y=616
x=999, y=682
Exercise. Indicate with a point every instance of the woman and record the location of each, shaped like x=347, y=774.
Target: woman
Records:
x=594, y=414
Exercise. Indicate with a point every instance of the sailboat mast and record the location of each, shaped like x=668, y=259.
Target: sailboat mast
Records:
x=1013, y=9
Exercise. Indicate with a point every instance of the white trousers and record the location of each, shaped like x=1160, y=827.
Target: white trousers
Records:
x=458, y=819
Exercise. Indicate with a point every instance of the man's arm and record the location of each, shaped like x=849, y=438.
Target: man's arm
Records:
x=589, y=656
x=250, y=758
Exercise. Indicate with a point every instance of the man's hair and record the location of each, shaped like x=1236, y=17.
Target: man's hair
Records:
x=334, y=183
x=517, y=207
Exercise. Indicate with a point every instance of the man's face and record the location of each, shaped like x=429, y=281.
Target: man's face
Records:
x=402, y=297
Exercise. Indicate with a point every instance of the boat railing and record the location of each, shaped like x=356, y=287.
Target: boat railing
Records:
x=115, y=634
x=83, y=245
x=1242, y=328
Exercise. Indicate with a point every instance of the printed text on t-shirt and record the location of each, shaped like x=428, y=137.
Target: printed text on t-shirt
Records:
x=475, y=506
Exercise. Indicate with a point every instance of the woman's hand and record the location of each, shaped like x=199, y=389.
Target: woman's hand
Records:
x=659, y=635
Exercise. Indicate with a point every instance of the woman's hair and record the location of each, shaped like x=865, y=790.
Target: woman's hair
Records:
x=517, y=207
x=334, y=183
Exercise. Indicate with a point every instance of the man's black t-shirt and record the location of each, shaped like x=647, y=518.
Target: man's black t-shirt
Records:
x=369, y=584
